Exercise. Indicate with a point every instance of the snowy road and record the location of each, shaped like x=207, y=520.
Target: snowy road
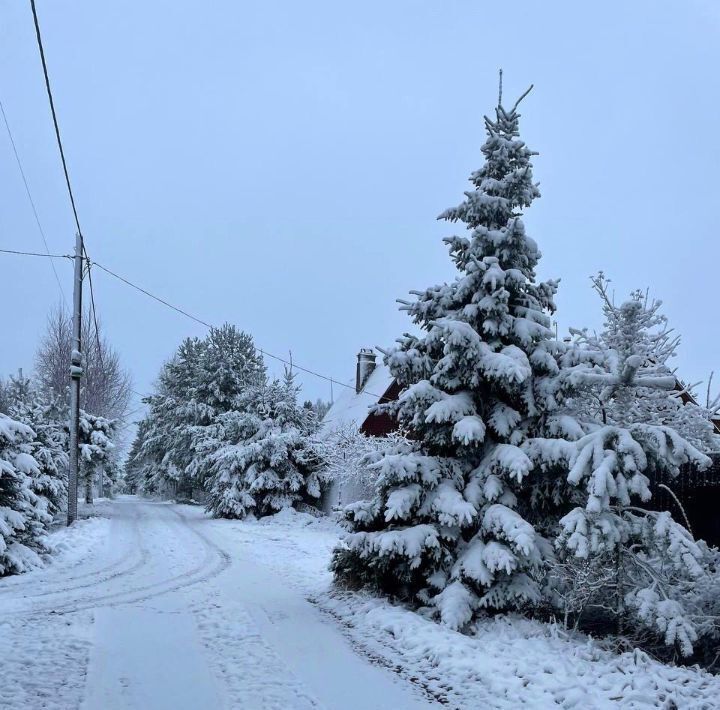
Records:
x=160, y=607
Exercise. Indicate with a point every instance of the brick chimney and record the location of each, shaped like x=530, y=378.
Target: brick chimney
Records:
x=365, y=366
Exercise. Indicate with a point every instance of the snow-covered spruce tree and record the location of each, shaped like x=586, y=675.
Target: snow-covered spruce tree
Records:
x=622, y=402
x=46, y=416
x=135, y=465
x=166, y=439
x=23, y=513
x=230, y=363
x=260, y=457
x=230, y=366
x=201, y=382
x=96, y=445
x=478, y=388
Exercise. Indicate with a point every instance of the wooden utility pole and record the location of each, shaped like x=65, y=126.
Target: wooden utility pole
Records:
x=76, y=372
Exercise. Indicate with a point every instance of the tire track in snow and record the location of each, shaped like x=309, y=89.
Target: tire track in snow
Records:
x=214, y=562
x=99, y=576
x=158, y=550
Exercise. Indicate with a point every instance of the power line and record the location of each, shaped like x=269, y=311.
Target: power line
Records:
x=265, y=353
x=30, y=198
x=156, y=298
x=67, y=175
x=54, y=114
x=35, y=253
x=92, y=308
x=117, y=276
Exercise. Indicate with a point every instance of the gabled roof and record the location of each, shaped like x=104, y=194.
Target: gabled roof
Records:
x=352, y=408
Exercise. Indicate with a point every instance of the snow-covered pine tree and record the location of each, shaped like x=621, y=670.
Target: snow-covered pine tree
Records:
x=261, y=458
x=46, y=416
x=230, y=363
x=623, y=399
x=166, y=446
x=478, y=383
x=96, y=436
x=201, y=382
x=135, y=465
x=23, y=513
x=230, y=367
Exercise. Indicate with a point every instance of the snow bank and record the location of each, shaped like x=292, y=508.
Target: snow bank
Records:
x=71, y=544
x=509, y=662
x=68, y=546
x=512, y=662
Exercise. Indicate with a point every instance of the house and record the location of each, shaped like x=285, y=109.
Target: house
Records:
x=373, y=384
x=353, y=410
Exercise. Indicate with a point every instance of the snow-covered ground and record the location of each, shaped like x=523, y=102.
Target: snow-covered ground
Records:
x=509, y=663
x=168, y=609
x=159, y=606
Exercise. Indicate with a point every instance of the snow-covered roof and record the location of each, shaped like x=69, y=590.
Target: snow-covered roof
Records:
x=352, y=408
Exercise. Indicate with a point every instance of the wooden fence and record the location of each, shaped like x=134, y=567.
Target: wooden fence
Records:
x=699, y=494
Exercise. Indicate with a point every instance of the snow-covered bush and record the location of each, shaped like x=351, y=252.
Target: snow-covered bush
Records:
x=23, y=513
x=347, y=456
x=702, y=597
x=260, y=456
x=577, y=584
x=447, y=527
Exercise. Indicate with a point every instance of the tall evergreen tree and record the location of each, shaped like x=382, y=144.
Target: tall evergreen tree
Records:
x=230, y=363
x=204, y=380
x=135, y=465
x=166, y=432
x=479, y=384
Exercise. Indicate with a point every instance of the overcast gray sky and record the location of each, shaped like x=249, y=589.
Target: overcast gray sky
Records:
x=280, y=165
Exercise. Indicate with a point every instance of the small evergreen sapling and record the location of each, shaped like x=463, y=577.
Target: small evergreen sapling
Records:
x=637, y=346
x=624, y=399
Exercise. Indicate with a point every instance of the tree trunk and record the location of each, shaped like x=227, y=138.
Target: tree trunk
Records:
x=89, y=488
x=620, y=592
